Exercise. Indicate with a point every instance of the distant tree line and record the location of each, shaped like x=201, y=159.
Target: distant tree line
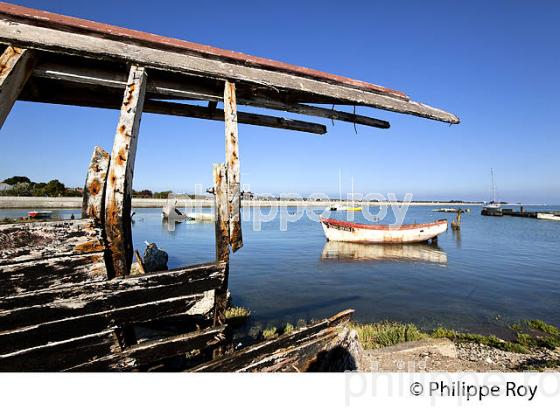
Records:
x=23, y=186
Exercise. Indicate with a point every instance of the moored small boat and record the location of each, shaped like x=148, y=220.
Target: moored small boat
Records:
x=549, y=216
x=448, y=210
x=343, y=231
x=39, y=214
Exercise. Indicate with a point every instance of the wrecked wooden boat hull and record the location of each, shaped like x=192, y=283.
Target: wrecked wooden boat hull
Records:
x=341, y=231
x=326, y=345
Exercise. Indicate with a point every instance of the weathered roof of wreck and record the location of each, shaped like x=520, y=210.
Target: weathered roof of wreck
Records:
x=265, y=78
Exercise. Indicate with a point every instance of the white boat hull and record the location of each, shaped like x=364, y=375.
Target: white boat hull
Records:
x=341, y=231
x=548, y=216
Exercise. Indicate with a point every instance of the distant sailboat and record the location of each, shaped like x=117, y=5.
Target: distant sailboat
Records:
x=493, y=208
x=338, y=206
x=353, y=206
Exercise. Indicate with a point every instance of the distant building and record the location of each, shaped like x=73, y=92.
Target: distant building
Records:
x=5, y=187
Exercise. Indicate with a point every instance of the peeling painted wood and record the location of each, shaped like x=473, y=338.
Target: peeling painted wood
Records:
x=94, y=189
x=273, y=355
x=16, y=65
x=159, y=89
x=221, y=224
x=72, y=43
x=232, y=166
x=154, y=351
x=59, y=330
x=32, y=308
x=121, y=169
x=61, y=355
x=51, y=273
x=24, y=242
x=221, y=210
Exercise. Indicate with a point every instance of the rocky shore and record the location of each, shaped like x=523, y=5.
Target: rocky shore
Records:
x=444, y=355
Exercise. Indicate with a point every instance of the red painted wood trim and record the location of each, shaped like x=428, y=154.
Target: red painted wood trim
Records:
x=44, y=18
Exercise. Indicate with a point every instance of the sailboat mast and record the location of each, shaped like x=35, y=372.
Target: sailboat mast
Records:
x=339, y=185
x=352, y=191
x=493, y=186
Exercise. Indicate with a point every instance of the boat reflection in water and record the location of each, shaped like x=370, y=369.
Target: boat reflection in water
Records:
x=360, y=252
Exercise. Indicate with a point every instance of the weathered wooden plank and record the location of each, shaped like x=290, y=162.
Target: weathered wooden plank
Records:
x=92, y=98
x=60, y=330
x=248, y=359
x=73, y=43
x=154, y=351
x=108, y=78
x=221, y=226
x=164, y=89
x=93, y=205
x=232, y=167
x=118, y=197
x=24, y=242
x=52, y=304
x=316, y=112
x=16, y=65
x=193, y=111
x=53, y=272
x=61, y=355
x=221, y=212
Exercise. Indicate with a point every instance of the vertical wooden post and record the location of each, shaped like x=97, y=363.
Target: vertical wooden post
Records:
x=232, y=166
x=16, y=65
x=93, y=205
x=221, y=210
x=118, y=198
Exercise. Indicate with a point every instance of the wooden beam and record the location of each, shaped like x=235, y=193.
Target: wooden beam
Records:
x=50, y=39
x=118, y=197
x=93, y=205
x=232, y=166
x=270, y=354
x=60, y=355
x=317, y=112
x=221, y=224
x=65, y=329
x=88, y=98
x=16, y=65
x=193, y=111
x=73, y=300
x=174, y=89
x=56, y=314
x=154, y=351
x=108, y=78
x=221, y=210
x=36, y=241
x=45, y=273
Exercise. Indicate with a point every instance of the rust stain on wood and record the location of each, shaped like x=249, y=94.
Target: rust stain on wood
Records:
x=94, y=190
x=118, y=197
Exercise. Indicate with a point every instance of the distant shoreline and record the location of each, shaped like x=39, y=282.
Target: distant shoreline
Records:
x=8, y=202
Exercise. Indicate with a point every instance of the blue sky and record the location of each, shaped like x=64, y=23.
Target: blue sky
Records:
x=495, y=64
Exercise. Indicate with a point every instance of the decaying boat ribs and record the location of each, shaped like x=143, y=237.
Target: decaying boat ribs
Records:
x=67, y=300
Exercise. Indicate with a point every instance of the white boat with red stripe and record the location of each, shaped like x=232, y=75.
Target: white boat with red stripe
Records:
x=342, y=231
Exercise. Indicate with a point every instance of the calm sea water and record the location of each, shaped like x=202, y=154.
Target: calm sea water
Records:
x=491, y=273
